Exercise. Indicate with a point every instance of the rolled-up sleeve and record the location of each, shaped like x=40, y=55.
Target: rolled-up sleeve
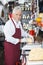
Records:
x=9, y=31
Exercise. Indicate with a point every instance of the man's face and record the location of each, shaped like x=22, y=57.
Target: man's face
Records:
x=17, y=15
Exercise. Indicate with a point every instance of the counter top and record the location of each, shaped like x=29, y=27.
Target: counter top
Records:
x=34, y=63
x=30, y=46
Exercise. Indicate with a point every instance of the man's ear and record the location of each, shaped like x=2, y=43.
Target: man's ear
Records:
x=11, y=15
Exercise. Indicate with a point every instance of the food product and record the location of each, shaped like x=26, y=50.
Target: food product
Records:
x=39, y=24
x=29, y=40
x=32, y=32
x=40, y=15
x=36, y=54
x=38, y=19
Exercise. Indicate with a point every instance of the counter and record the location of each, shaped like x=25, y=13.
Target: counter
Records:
x=34, y=63
x=30, y=46
x=26, y=49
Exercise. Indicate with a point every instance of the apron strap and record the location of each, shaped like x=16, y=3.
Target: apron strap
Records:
x=13, y=22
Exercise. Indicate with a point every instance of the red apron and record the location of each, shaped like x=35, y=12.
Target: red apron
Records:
x=12, y=51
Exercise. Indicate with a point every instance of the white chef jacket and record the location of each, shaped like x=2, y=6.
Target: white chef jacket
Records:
x=9, y=30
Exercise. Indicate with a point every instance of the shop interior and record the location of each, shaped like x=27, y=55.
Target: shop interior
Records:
x=32, y=22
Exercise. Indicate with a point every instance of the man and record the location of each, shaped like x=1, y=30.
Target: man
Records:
x=13, y=32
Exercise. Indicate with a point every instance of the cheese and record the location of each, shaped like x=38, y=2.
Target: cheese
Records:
x=29, y=40
x=36, y=54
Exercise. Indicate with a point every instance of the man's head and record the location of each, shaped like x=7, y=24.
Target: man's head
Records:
x=16, y=13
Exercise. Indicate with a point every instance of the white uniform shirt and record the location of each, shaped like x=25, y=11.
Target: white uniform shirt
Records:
x=9, y=30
